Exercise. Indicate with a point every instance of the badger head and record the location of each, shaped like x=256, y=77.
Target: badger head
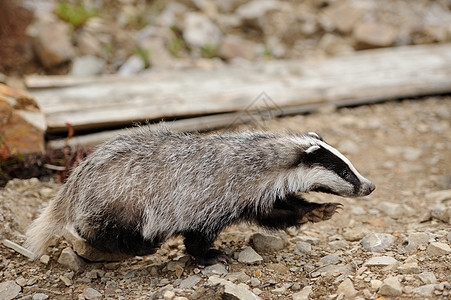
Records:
x=325, y=169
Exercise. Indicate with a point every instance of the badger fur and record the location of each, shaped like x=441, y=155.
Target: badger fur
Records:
x=137, y=190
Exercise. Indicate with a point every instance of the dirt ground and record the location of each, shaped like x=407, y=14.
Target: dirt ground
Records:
x=403, y=147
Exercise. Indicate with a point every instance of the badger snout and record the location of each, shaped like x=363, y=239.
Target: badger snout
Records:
x=367, y=188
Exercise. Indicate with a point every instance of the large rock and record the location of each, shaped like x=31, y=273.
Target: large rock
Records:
x=22, y=124
x=199, y=31
x=51, y=40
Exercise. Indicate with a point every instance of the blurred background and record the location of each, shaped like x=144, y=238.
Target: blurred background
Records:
x=137, y=36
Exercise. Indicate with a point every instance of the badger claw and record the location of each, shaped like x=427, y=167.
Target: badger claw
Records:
x=212, y=257
x=322, y=213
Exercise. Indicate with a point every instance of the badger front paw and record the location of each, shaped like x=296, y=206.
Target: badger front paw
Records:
x=321, y=213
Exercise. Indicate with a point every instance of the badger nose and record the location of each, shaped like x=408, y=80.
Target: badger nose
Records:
x=371, y=188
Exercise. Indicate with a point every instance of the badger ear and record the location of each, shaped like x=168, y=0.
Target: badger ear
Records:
x=312, y=149
x=315, y=135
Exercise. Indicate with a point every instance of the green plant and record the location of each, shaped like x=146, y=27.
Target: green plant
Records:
x=176, y=46
x=209, y=51
x=267, y=52
x=144, y=55
x=74, y=14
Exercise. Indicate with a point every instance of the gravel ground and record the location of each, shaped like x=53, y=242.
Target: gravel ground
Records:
x=391, y=244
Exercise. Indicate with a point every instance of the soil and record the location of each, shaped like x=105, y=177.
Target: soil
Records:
x=403, y=147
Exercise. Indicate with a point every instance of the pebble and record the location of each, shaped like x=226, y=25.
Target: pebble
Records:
x=391, y=287
x=278, y=268
x=249, y=256
x=303, y=248
x=330, y=259
x=216, y=269
x=347, y=289
x=424, y=290
x=65, y=280
x=200, y=31
x=380, y=261
x=355, y=234
x=416, y=240
x=427, y=277
x=40, y=296
x=304, y=294
x=438, y=249
x=133, y=65
x=190, y=282
x=168, y=295
x=241, y=291
x=71, y=260
x=391, y=209
x=373, y=35
x=377, y=242
x=409, y=268
x=44, y=259
x=91, y=294
x=9, y=290
x=267, y=243
x=87, y=66
x=376, y=284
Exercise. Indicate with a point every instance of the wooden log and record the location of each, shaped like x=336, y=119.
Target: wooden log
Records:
x=366, y=76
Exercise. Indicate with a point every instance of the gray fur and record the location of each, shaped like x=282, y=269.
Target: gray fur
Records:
x=160, y=183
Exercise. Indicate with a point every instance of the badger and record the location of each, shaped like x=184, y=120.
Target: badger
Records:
x=136, y=191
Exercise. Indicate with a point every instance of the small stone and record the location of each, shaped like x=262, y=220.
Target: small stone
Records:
x=278, y=268
x=255, y=282
x=427, y=277
x=234, y=46
x=241, y=291
x=249, y=256
x=409, y=268
x=376, y=284
x=216, y=269
x=391, y=287
x=200, y=31
x=309, y=239
x=40, y=296
x=304, y=294
x=168, y=295
x=380, y=261
x=416, y=240
x=424, y=290
x=303, y=248
x=373, y=35
x=9, y=290
x=354, y=234
x=87, y=66
x=91, y=294
x=65, y=280
x=190, y=282
x=377, y=242
x=347, y=289
x=438, y=249
x=180, y=298
x=267, y=243
x=341, y=16
x=442, y=214
x=330, y=259
x=69, y=259
x=133, y=65
x=44, y=259
x=338, y=245
x=391, y=209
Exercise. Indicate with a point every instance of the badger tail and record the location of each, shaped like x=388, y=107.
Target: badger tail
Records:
x=42, y=231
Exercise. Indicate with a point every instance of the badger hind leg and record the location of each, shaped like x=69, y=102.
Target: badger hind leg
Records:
x=113, y=237
x=294, y=210
x=199, y=246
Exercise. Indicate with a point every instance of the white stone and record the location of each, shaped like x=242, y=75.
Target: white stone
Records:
x=168, y=295
x=304, y=294
x=133, y=65
x=200, y=31
x=438, y=249
x=391, y=287
x=303, y=248
x=380, y=261
x=87, y=66
x=347, y=288
x=377, y=242
x=424, y=290
x=241, y=291
x=249, y=256
x=216, y=269
x=71, y=260
x=427, y=277
x=417, y=239
x=9, y=290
